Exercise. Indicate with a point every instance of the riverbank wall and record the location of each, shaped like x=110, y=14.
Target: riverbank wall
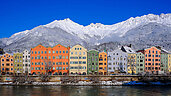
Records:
x=84, y=80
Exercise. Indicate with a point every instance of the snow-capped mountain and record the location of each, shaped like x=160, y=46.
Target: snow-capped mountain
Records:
x=105, y=30
x=69, y=33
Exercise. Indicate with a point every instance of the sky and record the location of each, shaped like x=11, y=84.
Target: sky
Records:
x=20, y=15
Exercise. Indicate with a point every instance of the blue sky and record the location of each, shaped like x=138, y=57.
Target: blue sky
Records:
x=20, y=15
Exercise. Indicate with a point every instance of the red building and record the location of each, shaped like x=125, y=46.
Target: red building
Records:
x=51, y=60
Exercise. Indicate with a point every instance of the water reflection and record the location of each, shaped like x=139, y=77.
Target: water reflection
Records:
x=84, y=91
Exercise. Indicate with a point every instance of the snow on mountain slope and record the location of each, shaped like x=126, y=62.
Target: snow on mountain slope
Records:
x=106, y=30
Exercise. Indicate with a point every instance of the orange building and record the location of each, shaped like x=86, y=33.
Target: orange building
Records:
x=7, y=65
x=52, y=60
x=152, y=60
x=103, y=63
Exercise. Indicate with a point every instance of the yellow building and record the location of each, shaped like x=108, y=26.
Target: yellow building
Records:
x=131, y=64
x=169, y=62
x=103, y=63
x=78, y=60
x=18, y=62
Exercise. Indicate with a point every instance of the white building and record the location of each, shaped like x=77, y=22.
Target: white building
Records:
x=117, y=61
x=26, y=62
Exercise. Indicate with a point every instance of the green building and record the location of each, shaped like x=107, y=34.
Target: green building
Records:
x=140, y=62
x=92, y=62
x=18, y=62
x=164, y=62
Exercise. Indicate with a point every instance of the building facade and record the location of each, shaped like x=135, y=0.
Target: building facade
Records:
x=78, y=60
x=7, y=64
x=140, y=62
x=26, y=62
x=169, y=62
x=103, y=63
x=152, y=60
x=60, y=59
x=164, y=62
x=53, y=61
x=18, y=62
x=131, y=64
x=131, y=60
x=117, y=62
x=93, y=62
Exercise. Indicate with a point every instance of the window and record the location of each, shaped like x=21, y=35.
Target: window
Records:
x=45, y=52
x=63, y=51
x=42, y=52
x=49, y=51
x=60, y=68
x=60, y=57
x=84, y=62
x=56, y=51
x=35, y=52
x=84, y=57
x=71, y=53
x=7, y=59
x=59, y=51
x=75, y=53
x=38, y=52
x=53, y=51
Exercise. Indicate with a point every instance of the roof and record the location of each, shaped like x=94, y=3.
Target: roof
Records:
x=127, y=49
x=164, y=51
x=142, y=51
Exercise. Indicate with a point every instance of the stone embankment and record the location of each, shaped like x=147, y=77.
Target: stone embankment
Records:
x=86, y=80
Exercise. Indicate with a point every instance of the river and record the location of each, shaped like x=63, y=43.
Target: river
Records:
x=85, y=91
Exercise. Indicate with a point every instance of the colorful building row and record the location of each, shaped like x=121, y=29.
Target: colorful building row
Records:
x=15, y=64
x=61, y=60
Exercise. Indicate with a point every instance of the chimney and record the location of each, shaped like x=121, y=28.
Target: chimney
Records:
x=130, y=45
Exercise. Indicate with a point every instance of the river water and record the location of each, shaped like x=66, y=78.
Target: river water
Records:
x=85, y=91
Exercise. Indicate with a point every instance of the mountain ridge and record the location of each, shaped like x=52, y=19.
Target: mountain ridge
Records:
x=93, y=34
